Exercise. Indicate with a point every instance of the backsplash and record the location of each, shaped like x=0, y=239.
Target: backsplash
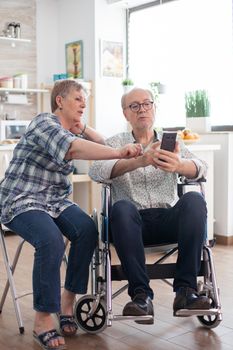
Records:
x=20, y=59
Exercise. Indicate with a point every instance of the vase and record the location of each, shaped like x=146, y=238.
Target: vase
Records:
x=199, y=124
x=127, y=88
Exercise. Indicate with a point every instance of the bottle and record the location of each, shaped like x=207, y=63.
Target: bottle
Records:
x=11, y=30
x=17, y=30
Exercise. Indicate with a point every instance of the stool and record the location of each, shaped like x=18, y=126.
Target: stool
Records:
x=10, y=269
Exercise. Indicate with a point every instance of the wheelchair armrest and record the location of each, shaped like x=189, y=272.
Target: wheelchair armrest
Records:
x=183, y=181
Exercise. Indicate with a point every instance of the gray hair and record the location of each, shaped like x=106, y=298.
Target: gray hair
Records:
x=123, y=98
x=63, y=88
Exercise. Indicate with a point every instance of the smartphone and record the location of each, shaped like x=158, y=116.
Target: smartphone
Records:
x=168, y=142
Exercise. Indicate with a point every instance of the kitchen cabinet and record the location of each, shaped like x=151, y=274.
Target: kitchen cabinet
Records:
x=6, y=152
x=17, y=72
x=206, y=152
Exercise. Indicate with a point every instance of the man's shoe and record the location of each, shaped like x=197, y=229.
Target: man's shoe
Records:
x=141, y=305
x=188, y=298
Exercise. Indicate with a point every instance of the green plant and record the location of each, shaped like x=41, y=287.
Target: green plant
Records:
x=157, y=88
x=197, y=104
x=127, y=82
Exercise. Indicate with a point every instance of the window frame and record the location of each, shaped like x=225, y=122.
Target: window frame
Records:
x=131, y=10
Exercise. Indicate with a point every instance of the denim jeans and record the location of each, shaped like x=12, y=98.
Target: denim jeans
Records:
x=45, y=234
x=185, y=224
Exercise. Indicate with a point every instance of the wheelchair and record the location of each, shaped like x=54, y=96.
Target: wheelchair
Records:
x=93, y=313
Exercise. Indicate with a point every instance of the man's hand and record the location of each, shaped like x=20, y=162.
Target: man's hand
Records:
x=130, y=151
x=149, y=154
x=168, y=161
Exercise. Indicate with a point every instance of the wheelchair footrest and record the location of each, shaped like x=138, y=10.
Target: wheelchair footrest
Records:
x=195, y=312
x=134, y=318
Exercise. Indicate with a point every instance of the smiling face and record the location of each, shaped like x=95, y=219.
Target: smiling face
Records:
x=139, y=109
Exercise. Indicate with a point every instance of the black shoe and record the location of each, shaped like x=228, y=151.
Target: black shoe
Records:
x=141, y=305
x=188, y=298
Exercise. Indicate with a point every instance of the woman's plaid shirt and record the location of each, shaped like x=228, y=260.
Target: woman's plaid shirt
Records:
x=37, y=174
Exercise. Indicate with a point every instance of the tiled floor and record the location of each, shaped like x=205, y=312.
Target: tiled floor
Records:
x=167, y=333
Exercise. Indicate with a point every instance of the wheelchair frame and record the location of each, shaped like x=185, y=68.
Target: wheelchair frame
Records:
x=94, y=312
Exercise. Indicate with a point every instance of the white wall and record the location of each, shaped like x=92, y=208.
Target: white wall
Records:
x=223, y=181
x=47, y=30
x=110, y=25
x=90, y=21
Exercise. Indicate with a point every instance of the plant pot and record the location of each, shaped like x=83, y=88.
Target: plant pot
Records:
x=127, y=88
x=199, y=124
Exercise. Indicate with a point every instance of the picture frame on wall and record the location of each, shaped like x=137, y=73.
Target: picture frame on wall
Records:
x=74, y=59
x=111, y=58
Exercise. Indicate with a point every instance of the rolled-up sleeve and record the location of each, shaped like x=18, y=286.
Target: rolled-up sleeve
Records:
x=100, y=170
x=200, y=164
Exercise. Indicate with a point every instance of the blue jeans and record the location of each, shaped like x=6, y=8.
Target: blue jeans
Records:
x=46, y=235
x=185, y=224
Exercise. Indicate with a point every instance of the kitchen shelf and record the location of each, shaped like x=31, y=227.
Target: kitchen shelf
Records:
x=14, y=40
x=22, y=91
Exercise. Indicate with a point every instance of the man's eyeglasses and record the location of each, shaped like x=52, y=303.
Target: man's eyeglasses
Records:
x=135, y=106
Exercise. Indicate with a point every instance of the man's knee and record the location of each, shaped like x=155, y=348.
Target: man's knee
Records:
x=123, y=209
x=194, y=202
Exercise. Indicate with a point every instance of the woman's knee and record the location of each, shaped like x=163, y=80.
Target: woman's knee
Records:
x=52, y=249
x=90, y=228
x=86, y=231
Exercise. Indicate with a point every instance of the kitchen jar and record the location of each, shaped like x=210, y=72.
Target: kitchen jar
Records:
x=6, y=82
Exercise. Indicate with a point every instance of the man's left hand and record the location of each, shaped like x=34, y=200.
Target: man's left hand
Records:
x=168, y=161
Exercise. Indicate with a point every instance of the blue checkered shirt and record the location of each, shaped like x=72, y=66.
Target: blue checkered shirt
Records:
x=37, y=174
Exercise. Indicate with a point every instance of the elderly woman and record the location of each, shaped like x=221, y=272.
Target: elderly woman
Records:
x=34, y=203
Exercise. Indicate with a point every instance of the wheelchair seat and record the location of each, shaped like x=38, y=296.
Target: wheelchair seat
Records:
x=94, y=312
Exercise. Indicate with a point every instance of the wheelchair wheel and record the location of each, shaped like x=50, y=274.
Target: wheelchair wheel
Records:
x=209, y=321
x=95, y=323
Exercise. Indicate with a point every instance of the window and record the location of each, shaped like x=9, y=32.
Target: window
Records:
x=186, y=45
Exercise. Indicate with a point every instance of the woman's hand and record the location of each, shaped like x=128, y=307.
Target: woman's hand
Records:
x=78, y=128
x=130, y=151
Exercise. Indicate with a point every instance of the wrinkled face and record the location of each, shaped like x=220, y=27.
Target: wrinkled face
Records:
x=139, y=109
x=72, y=106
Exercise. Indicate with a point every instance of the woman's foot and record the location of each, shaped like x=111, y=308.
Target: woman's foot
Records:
x=44, y=324
x=68, y=325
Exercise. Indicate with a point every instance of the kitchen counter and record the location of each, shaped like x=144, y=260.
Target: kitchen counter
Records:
x=7, y=147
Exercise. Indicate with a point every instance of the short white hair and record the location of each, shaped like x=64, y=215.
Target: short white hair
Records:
x=123, y=98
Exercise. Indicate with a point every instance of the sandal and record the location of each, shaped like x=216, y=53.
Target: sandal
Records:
x=67, y=321
x=44, y=338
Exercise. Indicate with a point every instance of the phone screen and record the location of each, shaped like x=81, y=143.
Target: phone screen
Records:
x=168, y=141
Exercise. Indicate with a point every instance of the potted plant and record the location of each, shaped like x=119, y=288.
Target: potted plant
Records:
x=127, y=84
x=197, y=108
x=157, y=89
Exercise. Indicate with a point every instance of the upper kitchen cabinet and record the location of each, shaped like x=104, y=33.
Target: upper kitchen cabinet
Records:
x=19, y=92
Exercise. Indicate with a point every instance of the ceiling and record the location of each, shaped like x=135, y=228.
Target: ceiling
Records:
x=128, y=3
x=133, y=3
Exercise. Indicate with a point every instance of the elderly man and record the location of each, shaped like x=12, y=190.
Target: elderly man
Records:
x=144, y=211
